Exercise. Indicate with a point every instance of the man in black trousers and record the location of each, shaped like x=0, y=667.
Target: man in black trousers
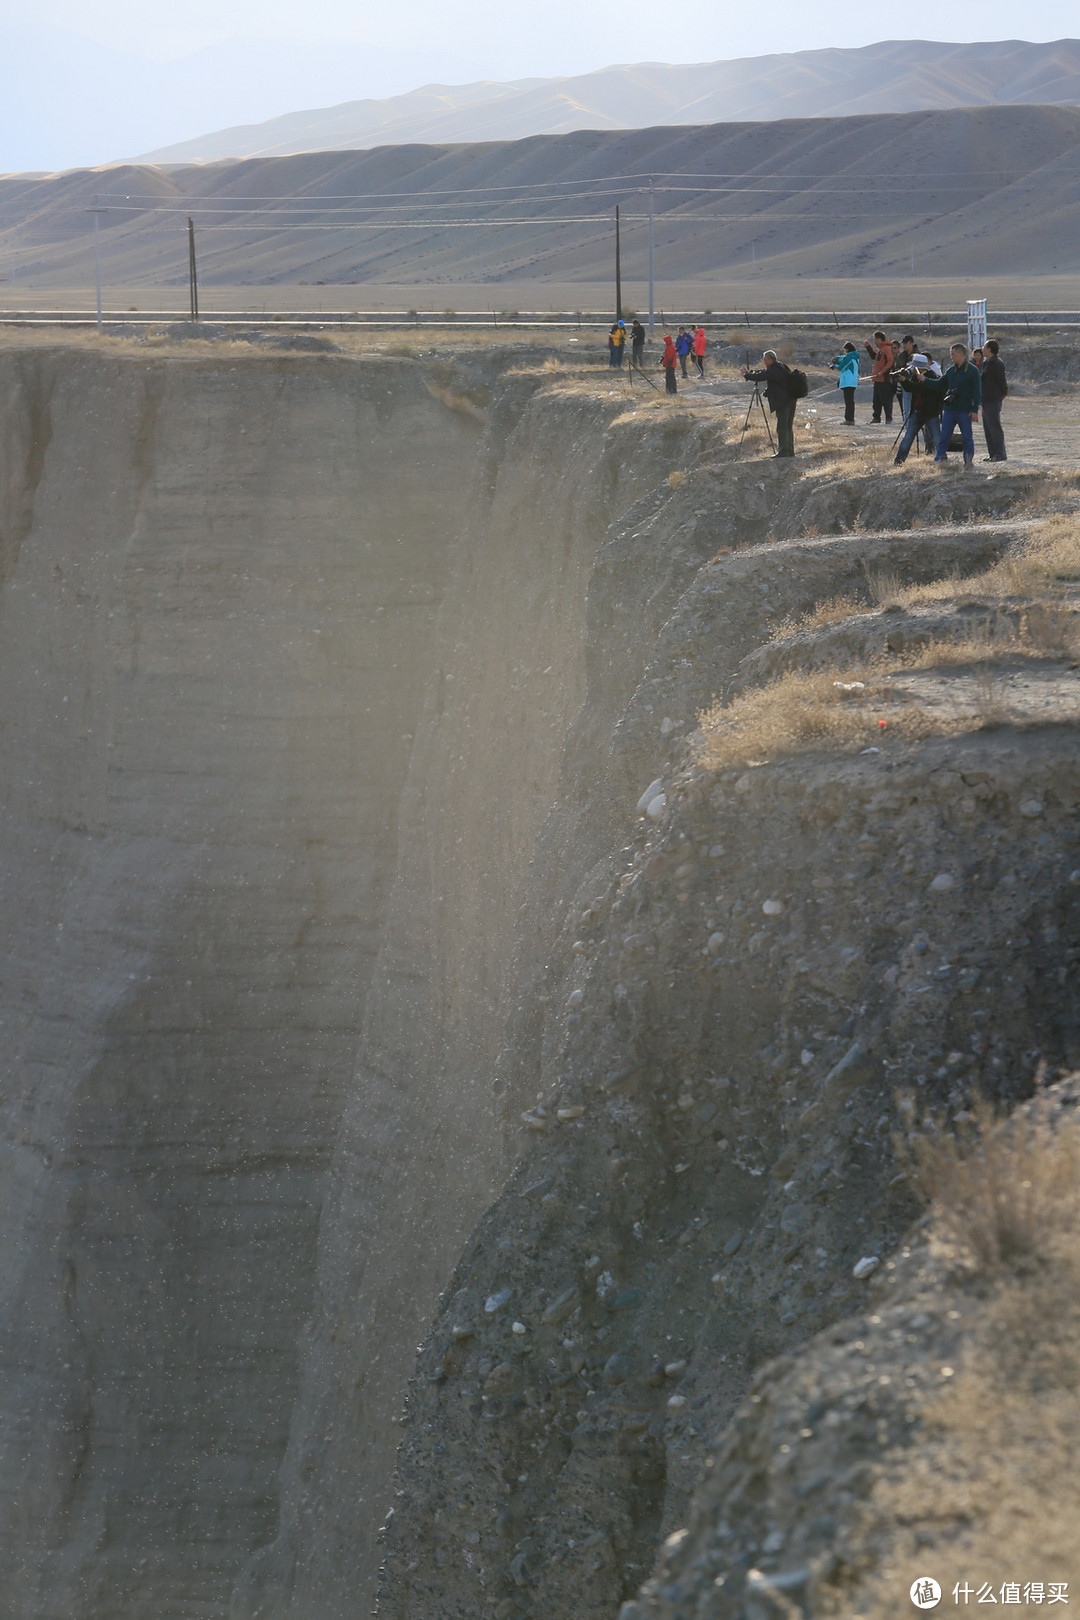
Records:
x=778, y=394
x=994, y=389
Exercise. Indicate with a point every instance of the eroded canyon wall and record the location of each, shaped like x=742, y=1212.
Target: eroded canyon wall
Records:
x=289, y=648
x=220, y=585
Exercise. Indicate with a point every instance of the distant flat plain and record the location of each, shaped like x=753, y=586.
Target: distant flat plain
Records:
x=880, y=296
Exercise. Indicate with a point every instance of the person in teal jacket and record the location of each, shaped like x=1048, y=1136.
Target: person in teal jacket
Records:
x=963, y=396
x=847, y=364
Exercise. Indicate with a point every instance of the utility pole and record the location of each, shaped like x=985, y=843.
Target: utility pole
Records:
x=97, y=213
x=193, y=272
x=618, y=268
x=652, y=318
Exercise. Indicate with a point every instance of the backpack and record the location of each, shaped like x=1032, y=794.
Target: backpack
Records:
x=797, y=385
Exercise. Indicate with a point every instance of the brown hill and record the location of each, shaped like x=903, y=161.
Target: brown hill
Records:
x=976, y=191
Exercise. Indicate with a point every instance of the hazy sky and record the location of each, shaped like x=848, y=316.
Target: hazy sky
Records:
x=566, y=35
x=86, y=84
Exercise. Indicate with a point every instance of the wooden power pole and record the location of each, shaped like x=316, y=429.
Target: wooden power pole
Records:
x=193, y=272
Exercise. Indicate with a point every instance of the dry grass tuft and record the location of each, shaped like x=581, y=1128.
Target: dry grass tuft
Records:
x=1044, y=560
x=1000, y=1190
x=832, y=611
x=798, y=712
x=674, y=479
x=849, y=708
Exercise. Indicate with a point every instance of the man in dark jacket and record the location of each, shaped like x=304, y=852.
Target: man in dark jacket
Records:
x=775, y=378
x=683, y=344
x=637, y=345
x=962, y=399
x=994, y=385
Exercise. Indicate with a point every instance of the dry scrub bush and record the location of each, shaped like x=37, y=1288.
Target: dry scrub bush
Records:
x=1000, y=1190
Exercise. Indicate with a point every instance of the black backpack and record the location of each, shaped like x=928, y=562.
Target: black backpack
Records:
x=797, y=385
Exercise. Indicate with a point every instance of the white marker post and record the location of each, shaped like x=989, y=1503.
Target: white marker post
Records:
x=976, y=323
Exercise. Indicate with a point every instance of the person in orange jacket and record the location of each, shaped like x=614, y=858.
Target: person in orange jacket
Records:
x=700, y=340
x=669, y=360
x=883, y=353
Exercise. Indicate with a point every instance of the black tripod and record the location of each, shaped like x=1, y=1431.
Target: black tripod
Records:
x=643, y=374
x=756, y=399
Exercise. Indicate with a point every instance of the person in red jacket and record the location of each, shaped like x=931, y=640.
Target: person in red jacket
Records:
x=669, y=360
x=700, y=341
x=883, y=354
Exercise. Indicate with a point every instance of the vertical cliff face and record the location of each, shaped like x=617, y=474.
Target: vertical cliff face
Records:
x=289, y=648
x=219, y=589
x=421, y=1150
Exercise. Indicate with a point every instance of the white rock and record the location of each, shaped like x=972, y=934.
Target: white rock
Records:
x=656, y=807
x=649, y=794
x=865, y=1267
x=495, y=1302
x=575, y=998
x=772, y=908
x=943, y=883
x=667, y=726
x=518, y=1327
x=573, y=1112
x=676, y=1401
x=713, y=944
x=1031, y=807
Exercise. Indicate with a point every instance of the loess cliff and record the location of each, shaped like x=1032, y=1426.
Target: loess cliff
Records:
x=399, y=951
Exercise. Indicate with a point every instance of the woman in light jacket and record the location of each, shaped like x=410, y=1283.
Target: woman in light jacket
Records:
x=847, y=364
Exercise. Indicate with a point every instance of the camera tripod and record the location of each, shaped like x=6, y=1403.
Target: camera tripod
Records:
x=756, y=399
x=643, y=374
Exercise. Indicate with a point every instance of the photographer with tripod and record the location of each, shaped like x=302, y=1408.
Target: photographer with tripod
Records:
x=777, y=380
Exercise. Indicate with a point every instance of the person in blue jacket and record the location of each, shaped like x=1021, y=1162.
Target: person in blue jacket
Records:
x=963, y=396
x=847, y=364
x=684, y=343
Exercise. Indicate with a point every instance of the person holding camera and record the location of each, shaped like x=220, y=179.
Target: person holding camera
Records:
x=847, y=364
x=963, y=396
x=905, y=357
x=781, y=403
x=926, y=396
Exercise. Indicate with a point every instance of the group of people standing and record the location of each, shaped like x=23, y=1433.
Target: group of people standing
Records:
x=689, y=344
x=934, y=402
